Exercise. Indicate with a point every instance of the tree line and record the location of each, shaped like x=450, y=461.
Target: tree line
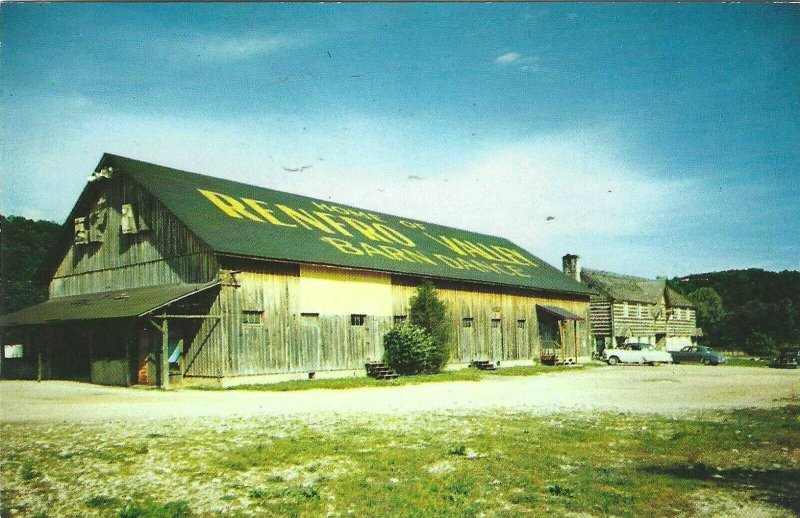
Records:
x=24, y=243
x=754, y=310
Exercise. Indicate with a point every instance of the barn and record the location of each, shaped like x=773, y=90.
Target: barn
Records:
x=165, y=276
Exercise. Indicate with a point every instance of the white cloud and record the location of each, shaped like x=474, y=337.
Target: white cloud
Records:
x=517, y=60
x=239, y=48
x=508, y=58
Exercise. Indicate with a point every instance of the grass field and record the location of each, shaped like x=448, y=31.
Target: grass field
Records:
x=743, y=463
x=469, y=374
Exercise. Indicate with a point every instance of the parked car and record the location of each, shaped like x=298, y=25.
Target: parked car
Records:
x=636, y=353
x=787, y=359
x=698, y=353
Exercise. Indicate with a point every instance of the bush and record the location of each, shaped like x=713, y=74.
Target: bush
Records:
x=409, y=349
x=422, y=344
x=760, y=344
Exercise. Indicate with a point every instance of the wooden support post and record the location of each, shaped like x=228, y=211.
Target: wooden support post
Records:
x=575, y=324
x=128, y=336
x=89, y=333
x=39, y=366
x=165, y=354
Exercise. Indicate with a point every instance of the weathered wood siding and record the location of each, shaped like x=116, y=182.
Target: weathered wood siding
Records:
x=165, y=253
x=600, y=316
x=496, y=332
x=296, y=330
x=654, y=319
x=682, y=324
x=279, y=324
x=641, y=319
x=206, y=345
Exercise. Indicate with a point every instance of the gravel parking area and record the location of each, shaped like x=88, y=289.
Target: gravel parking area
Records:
x=666, y=390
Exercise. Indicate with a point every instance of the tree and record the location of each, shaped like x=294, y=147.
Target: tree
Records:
x=757, y=303
x=422, y=344
x=760, y=344
x=24, y=245
x=710, y=312
x=428, y=311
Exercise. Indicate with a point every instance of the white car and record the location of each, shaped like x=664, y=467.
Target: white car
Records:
x=636, y=353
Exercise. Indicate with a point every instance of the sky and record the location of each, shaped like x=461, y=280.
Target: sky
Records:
x=650, y=139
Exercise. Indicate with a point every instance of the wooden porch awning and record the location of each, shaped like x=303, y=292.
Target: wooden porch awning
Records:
x=110, y=304
x=560, y=313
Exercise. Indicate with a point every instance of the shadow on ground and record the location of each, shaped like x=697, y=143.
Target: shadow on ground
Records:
x=780, y=487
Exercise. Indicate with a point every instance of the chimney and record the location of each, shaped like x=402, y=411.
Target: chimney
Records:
x=572, y=266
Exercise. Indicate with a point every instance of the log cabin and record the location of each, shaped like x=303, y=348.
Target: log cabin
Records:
x=624, y=308
x=167, y=277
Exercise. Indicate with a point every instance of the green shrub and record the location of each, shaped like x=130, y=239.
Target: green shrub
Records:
x=760, y=344
x=27, y=471
x=428, y=311
x=422, y=345
x=410, y=349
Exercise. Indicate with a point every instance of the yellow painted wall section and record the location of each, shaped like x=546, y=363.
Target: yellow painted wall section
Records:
x=339, y=291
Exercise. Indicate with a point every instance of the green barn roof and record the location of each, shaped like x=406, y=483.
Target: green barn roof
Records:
x=237, y=219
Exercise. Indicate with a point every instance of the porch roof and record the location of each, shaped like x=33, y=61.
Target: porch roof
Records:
x=561, y=313
x=109, y=304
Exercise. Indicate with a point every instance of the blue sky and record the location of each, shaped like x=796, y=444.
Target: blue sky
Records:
x=650, y=139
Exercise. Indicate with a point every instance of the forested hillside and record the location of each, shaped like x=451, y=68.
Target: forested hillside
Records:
x=760, y=309
x=23, y=245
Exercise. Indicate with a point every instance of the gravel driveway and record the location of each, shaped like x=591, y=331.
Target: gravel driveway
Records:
x=670, y=390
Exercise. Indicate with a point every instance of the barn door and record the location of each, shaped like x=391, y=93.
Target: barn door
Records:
x=311, y=342
x=496, y=338
x=467, y=340
x=522, y=339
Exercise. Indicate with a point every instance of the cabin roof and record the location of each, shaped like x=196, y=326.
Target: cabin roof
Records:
x=628, y=288
x=392, y=243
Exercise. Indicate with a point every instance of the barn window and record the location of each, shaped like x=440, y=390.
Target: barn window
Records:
x=495, y=322
x=624, y=309
x=13, y=351
x=466, y=322
x=357, y=320
x=252, y=317
x=521, y=323
x=399, y=319
x=97, y=226
x=132, y=221
x=81, y=235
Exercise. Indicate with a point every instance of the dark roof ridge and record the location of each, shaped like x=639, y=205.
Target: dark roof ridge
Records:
x=622, y=275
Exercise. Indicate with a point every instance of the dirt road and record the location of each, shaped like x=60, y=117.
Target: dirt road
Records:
x=670, y=390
